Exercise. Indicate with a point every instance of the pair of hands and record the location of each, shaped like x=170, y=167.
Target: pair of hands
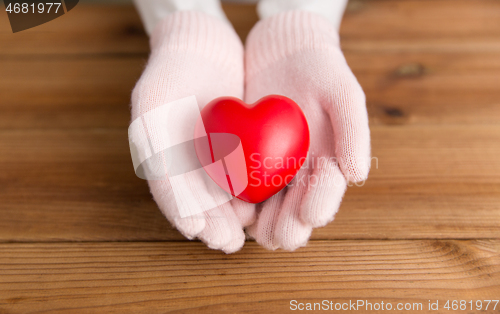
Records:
x=295, y=54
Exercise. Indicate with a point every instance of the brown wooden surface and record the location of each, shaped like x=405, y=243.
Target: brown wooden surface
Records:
x=80, y=233
x=180, y=278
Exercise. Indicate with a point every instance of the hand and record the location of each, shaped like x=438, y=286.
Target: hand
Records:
x=297, y=54
x=194, y=54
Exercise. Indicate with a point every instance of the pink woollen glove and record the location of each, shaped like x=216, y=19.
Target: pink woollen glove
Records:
x=193, y=53
x=297, y=54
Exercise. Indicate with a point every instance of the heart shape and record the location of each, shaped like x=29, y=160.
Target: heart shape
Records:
x=274, y=138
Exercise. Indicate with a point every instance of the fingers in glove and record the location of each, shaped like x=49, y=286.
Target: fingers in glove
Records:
x=237, y=233
x=221, y=224
x=163, y=194
x=263, y=229
x=346, y=106
x=290, y=231
x=326, y=189
x=246, y=212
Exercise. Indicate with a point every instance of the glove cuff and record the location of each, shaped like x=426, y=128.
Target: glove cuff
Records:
x=199, y=35
x=285, y=34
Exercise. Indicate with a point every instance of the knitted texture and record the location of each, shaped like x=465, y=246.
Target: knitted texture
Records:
x=297, y=54
x=193, y=53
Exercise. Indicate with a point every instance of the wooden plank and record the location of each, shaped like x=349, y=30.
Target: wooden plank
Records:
x=420, y=26
x=401, y=88
x=99, y=29
x=49, y=92
x=187, y=277
x=431, y=182
x=87, y=29
x=243, y=16
x=83, y=177
x=450, y=25
x=422, y=88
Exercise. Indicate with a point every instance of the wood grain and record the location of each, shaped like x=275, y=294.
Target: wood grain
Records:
x=98, y=29
x=189, y=278
x=431, y=182
x=87, y=29
x=422, y=88
x=61, y=93
x=243, y=17
x=421, y=26
x=374, y=25
x=401, y=88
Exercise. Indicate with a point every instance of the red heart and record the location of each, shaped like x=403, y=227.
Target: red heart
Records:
x=274, y=136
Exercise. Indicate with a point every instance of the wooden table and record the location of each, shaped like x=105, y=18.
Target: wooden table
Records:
x=80, y=232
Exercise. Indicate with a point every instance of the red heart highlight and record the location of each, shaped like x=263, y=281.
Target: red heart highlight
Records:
x=274, y=138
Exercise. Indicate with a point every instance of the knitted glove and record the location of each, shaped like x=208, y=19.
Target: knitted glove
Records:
x=193, y=53
x=297, y=54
